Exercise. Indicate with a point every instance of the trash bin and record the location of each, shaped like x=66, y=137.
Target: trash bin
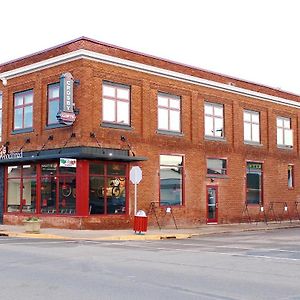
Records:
x=140, y=222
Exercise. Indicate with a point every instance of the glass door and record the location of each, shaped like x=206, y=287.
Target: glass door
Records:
x=212, y=204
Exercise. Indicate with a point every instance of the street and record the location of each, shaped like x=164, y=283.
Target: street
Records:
x=248, y=265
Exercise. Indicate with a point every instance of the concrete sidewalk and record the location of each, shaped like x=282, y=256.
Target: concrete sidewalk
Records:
x=151, y=234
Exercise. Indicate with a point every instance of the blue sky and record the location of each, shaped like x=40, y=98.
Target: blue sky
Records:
x=253, y=40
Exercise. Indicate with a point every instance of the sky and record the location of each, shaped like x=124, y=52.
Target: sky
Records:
x=254, y=40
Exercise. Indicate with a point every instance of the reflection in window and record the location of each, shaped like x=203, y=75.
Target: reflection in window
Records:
x=251, y=126
x=58, y=189
x=254, y=183
x=21, y=189
x=169, y=112
x=290, y=176
x=214, y=121
x=116, y=103
x=171, y=180
x=284, y=132
x=107, y=194
x=216, y=166
x=53, y=103
x=23, y=110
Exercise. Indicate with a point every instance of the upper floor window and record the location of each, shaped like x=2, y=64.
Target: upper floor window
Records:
x=214, y=120
x=169, y=112
x=0, y=116
x=171, y=180
x=23, y=110
x=251, y=126
x=216, y=166
x=116, y=103
x=53, y=103
x=284, y=132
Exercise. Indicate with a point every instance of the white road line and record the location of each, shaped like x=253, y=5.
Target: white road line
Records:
x=258, y=249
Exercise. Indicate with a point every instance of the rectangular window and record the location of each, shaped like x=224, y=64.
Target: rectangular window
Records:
x=53, y=103
x=169, y=112
x=0, y=116
x=254, y=183
x=23, y=110
x=214, y=120
x=216, y=166
x=290, y=176
x=108, y=185
x=251, y=126
x=21, y=189
x=56, y=189
x=284, y=132
x=116, y=103
x=171, y=180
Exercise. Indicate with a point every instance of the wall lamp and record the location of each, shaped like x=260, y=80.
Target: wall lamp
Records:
x=4, y=81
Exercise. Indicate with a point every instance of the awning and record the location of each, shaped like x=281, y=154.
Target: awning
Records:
x=72, y=152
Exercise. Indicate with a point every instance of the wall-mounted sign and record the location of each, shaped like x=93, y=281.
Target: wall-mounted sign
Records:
x=4, y=154
x=66, y=113
x=67, y=162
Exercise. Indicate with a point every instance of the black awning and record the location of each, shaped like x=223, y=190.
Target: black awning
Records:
x=73, y=152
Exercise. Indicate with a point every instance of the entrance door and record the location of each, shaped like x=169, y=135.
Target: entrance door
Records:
x=212, y=204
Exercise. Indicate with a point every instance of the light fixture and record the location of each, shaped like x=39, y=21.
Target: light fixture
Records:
x=4, y=81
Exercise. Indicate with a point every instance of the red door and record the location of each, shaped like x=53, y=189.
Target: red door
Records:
x=212, y=204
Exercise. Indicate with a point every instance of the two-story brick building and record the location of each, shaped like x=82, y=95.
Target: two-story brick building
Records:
x=75, y=118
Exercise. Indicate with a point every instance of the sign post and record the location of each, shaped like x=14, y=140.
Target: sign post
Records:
x=135, y=177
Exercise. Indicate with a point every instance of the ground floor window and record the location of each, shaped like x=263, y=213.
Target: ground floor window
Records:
x=41, y=188
x=58, y=189
x=171, y=180
x=21, y=189
x=107, y=188
x=254, y=183
x=290, y=176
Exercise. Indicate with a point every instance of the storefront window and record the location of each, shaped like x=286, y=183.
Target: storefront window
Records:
x=254, y=183
x=107, y=188
x=171, y=180
x=58, y=190
x=21, y=189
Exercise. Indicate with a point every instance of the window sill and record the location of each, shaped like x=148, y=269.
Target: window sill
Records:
x=217, y=176
x=27, y=130
x=54, y=126
x=215, y=138
x=170, y=133
x=116, y=126
x=284, y=147
x=255, y=144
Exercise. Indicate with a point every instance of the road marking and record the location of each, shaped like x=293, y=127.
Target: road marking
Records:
x=258, y=249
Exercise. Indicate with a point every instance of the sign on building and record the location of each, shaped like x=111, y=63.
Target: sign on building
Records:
x=66, y=114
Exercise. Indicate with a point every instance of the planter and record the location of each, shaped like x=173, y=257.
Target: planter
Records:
x=32, y=226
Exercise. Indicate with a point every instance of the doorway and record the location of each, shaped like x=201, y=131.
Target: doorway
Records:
x=212, y=204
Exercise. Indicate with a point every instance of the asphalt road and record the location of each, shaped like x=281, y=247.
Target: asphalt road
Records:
x=240, y=266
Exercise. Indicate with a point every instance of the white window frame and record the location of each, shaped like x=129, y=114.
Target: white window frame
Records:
x=118, y=101
x=210, y=114
x=284, y=132
x=167, y=111
x=251, y=123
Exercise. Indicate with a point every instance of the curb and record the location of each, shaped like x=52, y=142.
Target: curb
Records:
x=133, y=237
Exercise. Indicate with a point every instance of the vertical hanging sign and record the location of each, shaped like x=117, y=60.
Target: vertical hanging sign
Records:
x=66, y=113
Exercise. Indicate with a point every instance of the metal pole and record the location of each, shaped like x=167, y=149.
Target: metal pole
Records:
x=135, y=198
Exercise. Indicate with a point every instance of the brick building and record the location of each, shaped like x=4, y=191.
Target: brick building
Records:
x=75, y=118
